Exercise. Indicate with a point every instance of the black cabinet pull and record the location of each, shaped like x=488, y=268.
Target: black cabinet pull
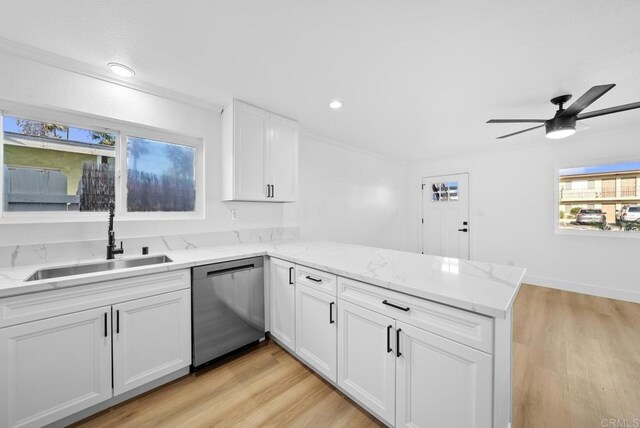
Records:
x=313, y=279
x=463, y=230
x=331, y=321
x=398, y=353
x=273, y=191
x=291, y=275
x=268, y=190
x=106, y=332
x=118, y=321
x=389, y=327
x=402, y=308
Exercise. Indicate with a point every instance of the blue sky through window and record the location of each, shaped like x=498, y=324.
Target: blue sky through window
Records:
x=76, y=135
x=599, y=169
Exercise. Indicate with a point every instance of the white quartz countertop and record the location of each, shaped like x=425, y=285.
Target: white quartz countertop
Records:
x=485, y=288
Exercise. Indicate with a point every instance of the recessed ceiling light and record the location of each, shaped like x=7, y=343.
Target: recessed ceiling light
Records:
x=335, y=104
x=121, y=70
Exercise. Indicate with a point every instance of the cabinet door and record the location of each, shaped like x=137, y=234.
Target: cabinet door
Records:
x=316, y=329
x=251, y=129
x=283, y=159
x=283, y=314
x=151, y=338
x=53, y=368
x=440, y=382
x=366, y=358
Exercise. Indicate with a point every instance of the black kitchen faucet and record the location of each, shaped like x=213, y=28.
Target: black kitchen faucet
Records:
x=112, y=250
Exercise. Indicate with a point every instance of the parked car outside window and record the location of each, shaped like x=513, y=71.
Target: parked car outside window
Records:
x=590, y=215
x=630, y=213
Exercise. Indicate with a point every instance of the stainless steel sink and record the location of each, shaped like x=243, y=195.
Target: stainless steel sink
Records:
x=108, y=265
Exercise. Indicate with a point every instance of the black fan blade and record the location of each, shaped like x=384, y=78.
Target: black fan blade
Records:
x=609, y=110
x=516, y=121
x=586, y=100
x=520, y=132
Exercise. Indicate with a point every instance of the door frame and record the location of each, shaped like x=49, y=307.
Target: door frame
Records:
x=471, y=221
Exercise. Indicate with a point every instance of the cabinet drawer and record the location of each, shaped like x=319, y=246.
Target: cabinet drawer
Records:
x=461, y=326
x=45, y=304
x=317, y=279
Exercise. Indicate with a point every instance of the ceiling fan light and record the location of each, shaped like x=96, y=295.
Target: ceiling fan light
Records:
x=560, y=133
x=560, y=127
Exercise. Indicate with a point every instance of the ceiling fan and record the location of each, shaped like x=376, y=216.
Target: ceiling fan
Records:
x=563, y=124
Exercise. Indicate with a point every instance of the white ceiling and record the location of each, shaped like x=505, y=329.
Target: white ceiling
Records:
x=418, y=78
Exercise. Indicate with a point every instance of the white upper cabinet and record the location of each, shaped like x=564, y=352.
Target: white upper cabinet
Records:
x=259, y=155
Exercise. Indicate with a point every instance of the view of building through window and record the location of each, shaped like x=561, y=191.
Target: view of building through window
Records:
x=53, y=167
x=601, y=197
x=160, y=176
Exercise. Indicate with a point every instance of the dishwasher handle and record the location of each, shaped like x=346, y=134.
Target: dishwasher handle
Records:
x=227, y=271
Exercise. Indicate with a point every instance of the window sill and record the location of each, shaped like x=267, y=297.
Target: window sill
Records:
x=598, y=233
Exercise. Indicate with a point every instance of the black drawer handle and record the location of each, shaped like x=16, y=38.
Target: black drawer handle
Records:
x=106, y=332
x=118, y=321
x=402, y=308
x=331, y=320
x=398, y=353
x=313, y=279
x=389, y=327
x=291, y=275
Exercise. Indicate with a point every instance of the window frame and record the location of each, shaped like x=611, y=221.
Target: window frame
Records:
x=589, y=233
x=122, y=131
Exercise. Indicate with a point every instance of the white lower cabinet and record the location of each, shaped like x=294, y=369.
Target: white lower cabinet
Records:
x=440, y=382
x=116, y=336
x=54, y=367
x=151, y=339
x=366, y=359
x=316, y=329
x=283, y=301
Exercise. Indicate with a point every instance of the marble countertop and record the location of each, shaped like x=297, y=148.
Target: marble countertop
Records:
x=484, y=288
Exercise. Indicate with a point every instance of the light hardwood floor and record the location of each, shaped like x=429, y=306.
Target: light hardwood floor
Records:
x=576, y=361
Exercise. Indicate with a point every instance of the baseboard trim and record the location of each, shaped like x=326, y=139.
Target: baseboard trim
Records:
x=576, y=287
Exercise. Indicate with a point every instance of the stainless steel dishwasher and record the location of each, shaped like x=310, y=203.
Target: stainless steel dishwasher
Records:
x=228, y=307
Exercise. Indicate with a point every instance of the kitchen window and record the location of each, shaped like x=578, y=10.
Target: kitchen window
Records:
x=600, y=198
x=60, y=166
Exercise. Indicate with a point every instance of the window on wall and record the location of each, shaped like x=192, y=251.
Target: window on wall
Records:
x=600, y=197
x=50, y=166
x=53, y=167
x=160, y=176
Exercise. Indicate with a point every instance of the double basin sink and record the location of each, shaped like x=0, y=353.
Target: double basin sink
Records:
x=62, y=271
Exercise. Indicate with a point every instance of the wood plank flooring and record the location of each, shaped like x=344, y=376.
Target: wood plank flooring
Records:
x=576, y=361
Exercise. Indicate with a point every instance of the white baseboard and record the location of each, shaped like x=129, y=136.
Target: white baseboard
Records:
x=576, y=287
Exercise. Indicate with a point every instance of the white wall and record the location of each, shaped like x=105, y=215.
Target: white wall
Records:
x=513, y=209
x=345, y=194
x=40, y=85
x=350, y=196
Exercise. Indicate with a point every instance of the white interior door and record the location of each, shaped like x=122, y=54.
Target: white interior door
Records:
x=445, y=216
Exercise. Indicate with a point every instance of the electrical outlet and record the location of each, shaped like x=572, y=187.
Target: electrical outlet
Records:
x=234, y=214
